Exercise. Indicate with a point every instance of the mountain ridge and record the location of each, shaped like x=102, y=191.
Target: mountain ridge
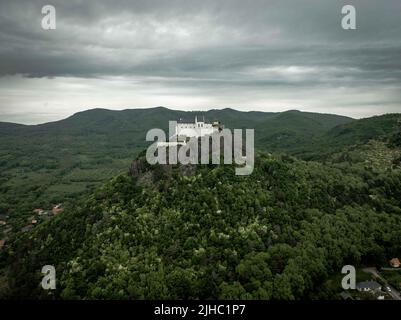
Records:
x=164, y=109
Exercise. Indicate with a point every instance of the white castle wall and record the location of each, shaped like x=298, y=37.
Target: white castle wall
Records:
x=197, y=129
x=189, y=130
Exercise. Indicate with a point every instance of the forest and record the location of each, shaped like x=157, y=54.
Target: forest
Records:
x=201, y=232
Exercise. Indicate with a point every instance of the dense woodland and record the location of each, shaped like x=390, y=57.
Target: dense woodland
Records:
x=330, y=196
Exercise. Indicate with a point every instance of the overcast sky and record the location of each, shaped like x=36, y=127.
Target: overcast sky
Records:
x=269, y=55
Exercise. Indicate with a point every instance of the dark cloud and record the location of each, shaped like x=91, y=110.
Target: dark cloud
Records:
x=208, y=47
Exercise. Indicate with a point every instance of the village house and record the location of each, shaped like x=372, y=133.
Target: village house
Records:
x=2, y=223
x=395, y=263
x=34, y=221
x=346, y=296
x=2, y=243
x=368, y=286
x=57, y=209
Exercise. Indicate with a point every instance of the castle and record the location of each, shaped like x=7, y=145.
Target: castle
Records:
x=184, y=131
x=196, y=129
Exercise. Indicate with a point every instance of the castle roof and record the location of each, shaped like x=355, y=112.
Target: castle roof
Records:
x=192, y=121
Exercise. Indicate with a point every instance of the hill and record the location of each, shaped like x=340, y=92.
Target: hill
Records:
x=62, y=160
x=168, y=233
x=200, y=232
x=351, y=135
x=294, y=130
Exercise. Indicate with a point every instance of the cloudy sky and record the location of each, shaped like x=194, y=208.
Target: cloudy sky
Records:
x=268, y=55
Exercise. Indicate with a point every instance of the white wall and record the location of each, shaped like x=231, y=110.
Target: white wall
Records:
x=194, y=129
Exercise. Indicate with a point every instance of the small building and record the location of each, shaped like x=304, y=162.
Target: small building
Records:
x=34, y=221
x=3, y=223
x=57, y=208
x=38, y=211
x=368, y=286
x=395, y=263
x=2, y=243
x=346, y=296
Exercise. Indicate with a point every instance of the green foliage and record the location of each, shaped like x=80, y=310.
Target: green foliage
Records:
x=199, y=232
x=276, y=234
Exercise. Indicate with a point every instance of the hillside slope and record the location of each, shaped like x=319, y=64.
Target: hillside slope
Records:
x=385, y=128
x=294, y=130
x=169, y=233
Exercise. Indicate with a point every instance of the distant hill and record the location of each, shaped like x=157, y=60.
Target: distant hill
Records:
x=101, y=131
x=293, y=130
x=104, y=120
x=8, y=128
x=351, y=134
x=365, y=129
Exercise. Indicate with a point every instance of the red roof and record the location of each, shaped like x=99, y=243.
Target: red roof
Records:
x=395, y=262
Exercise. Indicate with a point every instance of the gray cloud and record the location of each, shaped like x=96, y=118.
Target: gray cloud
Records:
x=256, y=54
